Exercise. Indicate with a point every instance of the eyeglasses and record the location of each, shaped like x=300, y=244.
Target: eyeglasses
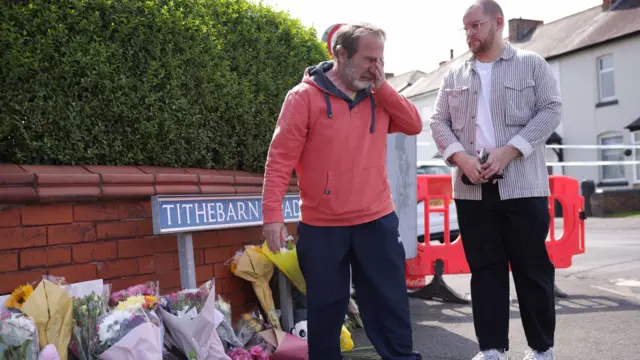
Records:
x=474, y=27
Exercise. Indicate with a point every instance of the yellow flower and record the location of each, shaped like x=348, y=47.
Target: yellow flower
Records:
x=346, y=343
x=19, y=296
x=131, y=302
x=150, y=301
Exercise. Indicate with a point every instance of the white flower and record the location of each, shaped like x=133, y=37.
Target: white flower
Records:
x=111, y=324
x=17, y=329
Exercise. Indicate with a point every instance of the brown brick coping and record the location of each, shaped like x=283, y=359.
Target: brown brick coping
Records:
x=51, y=183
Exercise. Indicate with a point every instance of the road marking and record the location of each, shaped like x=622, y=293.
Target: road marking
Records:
x=627, y=282
x=626, y=295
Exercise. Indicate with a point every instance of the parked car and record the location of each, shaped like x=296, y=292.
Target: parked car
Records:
x=434, y=170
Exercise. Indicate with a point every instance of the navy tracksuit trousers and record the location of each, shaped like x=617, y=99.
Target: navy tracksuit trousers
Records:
x=377, y=259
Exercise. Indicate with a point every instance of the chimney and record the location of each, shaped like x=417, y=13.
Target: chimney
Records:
x=450, y=54
x=606, y=4
x=521, y=29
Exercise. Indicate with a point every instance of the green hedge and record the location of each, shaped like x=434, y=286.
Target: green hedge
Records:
x=182, y=83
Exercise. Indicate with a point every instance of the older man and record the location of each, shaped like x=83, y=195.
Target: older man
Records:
x=504, y=100
x=333, y=129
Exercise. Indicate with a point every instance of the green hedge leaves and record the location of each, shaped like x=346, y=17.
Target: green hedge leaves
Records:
x=182, y=83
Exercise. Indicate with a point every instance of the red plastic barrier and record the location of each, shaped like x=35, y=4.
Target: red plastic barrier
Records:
x=564, y=189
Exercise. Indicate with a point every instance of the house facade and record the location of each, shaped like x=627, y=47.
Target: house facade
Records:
x=595, y=55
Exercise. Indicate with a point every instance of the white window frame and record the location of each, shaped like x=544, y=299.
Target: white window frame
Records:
x=601, y=168
x=635, y=140
x=603, y=71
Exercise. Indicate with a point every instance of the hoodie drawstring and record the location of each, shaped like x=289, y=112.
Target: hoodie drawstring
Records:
x=328, y=101
x=372, y=127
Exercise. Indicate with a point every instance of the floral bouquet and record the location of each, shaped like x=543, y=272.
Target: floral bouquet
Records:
x=248, y=326
x=87, y=311
x=128, y=334
x=150, y=288
x=51, y=309
x=225, y=330
x=191, y=318
x=18, y=337
x=143, y=296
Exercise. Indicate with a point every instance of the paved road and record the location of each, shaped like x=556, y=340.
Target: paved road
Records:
x=599, y=321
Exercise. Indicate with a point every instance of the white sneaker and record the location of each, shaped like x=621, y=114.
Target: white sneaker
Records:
x=491, y=355
x=534, y=355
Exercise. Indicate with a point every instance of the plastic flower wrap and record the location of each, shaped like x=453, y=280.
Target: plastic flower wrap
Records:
x=128, y=335
x=51, y=308
x=254, y=266
x=150, y=288
x=190, y=318
x=18, y=337
x=19, y=296
x=225, y=330
x=87, y=311
x=248, y=326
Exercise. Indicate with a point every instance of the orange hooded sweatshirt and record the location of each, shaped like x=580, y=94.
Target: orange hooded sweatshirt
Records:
x=337, y=146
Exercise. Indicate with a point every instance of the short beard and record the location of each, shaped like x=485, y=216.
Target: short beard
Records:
x=348, y=73
x=485, y=45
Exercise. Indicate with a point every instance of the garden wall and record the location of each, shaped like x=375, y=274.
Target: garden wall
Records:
x=90, y=222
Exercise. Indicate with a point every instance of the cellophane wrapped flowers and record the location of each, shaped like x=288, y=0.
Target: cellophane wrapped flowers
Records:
x=18, y=337
x=87, y=311
x=225, y=329
x=186, y=302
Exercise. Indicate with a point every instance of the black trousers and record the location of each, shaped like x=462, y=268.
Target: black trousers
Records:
x=377, y=260
x=495, y=234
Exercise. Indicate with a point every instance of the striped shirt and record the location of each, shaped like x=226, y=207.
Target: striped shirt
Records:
x=525, y=108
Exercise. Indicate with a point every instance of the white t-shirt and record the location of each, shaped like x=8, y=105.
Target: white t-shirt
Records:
x=485, y=133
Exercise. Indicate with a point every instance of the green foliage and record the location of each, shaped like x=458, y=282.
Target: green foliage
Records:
x=182, y=83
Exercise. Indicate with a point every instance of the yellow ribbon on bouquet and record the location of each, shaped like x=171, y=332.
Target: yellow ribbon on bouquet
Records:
x=286, y=260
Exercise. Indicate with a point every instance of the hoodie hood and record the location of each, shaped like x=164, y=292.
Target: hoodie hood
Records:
x=316, y=76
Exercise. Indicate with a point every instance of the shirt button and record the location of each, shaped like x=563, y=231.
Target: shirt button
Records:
x=327, y=192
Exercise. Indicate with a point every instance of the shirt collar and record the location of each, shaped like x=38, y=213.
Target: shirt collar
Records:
x=507, y=54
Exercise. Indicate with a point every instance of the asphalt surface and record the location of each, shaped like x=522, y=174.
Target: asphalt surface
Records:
x=600, y=320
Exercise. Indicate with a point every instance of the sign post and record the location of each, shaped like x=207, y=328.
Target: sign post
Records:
x=185, y=214
x=403, y=178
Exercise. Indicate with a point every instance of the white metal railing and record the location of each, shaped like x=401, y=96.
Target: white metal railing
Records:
x=560, y=163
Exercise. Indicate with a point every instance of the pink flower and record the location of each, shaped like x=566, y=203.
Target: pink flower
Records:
x=258, y=353
x=239, y=354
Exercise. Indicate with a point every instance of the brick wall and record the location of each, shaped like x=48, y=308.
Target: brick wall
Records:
x=615, y=201
x=85, y=237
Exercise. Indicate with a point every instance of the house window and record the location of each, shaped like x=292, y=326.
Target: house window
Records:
x=612, y=172
x=606, y=78
x=635, y=138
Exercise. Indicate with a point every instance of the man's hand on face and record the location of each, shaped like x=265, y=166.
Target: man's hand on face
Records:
x=378, y=72
x=276, y=236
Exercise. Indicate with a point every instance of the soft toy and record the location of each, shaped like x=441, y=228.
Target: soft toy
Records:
x=49, y=353
x=300, y=329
